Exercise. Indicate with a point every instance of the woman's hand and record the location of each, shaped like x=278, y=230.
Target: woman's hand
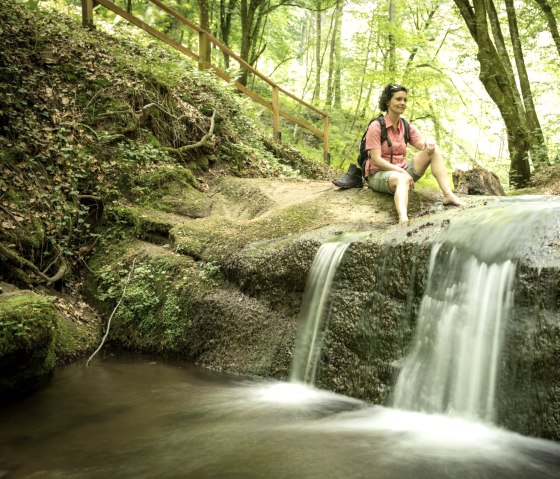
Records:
x=430, y=145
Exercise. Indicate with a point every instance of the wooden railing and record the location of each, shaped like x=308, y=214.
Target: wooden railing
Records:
x=205, y=39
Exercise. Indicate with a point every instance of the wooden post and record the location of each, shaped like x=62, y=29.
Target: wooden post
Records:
x=87, y=13
x=326, y=154
x=203, y=50
x=275, y=114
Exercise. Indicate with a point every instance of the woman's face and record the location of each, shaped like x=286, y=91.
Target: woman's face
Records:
x=397, y=104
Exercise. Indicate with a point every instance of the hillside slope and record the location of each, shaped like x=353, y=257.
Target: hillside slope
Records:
x=86, y=119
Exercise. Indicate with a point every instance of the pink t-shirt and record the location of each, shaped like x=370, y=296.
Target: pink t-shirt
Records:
x=396, y=135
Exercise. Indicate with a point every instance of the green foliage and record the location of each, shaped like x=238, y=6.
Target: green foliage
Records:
x=157, y=297
x=86, y=118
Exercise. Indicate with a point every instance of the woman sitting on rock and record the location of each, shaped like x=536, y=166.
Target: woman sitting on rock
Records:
x=386, y=169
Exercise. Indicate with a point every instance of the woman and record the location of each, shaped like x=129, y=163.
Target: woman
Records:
x=387, y=171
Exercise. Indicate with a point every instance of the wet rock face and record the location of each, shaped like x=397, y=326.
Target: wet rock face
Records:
x=372, y=315
x=374, y=304
x=529, y=387
x=373, y=312
x=239, y=312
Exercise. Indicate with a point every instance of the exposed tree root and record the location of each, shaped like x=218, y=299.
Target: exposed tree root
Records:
x=17, y=260
x=203, y=141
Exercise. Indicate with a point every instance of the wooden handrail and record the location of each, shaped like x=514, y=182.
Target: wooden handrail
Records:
x=233, y=55
x=204, y=39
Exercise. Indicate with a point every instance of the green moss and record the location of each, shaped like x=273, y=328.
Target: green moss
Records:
x=149, y=138
x=157, y=298
x=25, y=320
x=145, y=223
x=34, y=338
x=155, y=183
x=39, y=233
x=185, y=201
x=27, y=344
x=74, y=339
x=218, y=238
x=145, y=173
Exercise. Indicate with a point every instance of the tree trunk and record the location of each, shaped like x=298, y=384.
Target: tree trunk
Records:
x=253, y=16
x=226, y=11
x=317, y=89
x=392, y=54
x=204, y=21
x=258, y=47
x=551, y=20
x=503, y=54
x=539, y=153
x=248, y=11
x=365, y=66
x=337, y=61
x=496, y=81
x=332, y=47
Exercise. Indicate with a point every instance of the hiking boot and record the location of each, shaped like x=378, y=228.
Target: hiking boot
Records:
x=352, y=179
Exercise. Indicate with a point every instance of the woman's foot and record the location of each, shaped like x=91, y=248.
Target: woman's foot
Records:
x=452, y=199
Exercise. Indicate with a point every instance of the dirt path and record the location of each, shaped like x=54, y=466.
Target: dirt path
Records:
x=339, y=206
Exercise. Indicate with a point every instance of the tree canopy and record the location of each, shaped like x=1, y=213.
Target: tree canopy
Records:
x=482, y=74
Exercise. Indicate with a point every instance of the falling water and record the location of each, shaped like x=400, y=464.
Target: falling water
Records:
x=453, y=365
x=314, y=308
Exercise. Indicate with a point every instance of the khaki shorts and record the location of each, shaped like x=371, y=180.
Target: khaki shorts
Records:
x=380, y=181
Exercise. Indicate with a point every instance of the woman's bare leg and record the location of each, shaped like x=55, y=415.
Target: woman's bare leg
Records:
x=435, y=159
x=401, y=184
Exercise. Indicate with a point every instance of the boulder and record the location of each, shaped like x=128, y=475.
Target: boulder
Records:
x=477, y=181
x=37, y=333
x=27, y=342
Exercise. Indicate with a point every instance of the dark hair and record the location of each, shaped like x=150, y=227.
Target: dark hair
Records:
x=388, y=93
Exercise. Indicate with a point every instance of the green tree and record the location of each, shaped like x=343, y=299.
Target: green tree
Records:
x=548, y=12
x=496, y=74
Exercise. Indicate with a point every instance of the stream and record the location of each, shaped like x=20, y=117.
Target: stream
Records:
x=135, y=416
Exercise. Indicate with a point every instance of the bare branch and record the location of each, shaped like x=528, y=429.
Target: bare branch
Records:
x=113, y=313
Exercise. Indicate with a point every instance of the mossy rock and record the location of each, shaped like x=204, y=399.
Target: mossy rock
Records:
x=186, y=201
x=156, y=288
x=27, y=342
x=34, y=338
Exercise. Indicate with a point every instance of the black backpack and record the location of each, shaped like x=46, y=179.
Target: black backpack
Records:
x=362, y=156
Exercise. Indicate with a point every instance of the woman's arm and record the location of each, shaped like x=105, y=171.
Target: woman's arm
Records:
x=425, y=143
x=375, y=158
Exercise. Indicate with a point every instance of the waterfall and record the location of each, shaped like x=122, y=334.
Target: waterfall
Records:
x=314, y=308
x=453, y=365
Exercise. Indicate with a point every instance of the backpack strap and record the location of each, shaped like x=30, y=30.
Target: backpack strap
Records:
x=406, y=131
x=362, y=157
x=385, y=137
